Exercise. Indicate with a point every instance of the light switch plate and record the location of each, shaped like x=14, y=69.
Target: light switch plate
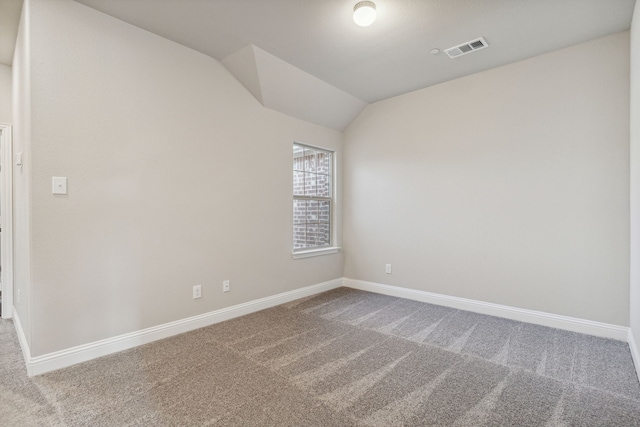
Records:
x=59, y=185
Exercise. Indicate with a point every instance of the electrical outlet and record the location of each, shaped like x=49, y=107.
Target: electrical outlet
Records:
x=387, y=269
x=197, y=291
x=226, y=286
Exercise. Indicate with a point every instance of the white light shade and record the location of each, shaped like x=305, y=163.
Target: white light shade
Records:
x=364, y=13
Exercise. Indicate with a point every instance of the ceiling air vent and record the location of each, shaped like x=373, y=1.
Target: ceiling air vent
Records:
x=467, y=47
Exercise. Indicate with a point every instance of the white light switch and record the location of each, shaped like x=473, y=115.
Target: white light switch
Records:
x=59, y=185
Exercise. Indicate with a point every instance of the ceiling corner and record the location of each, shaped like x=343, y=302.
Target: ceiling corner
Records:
x=242, y=64
x=280, y=86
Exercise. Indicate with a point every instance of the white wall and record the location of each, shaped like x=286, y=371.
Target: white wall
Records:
x=510, y=186
x=5, y=94
x=21, y=81
x=635, y=181
x=177, y=176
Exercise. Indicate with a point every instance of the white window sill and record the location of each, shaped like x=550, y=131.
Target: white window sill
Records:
x=315, y=252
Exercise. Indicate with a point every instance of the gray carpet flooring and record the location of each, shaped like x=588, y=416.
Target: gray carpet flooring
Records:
x=341, y=358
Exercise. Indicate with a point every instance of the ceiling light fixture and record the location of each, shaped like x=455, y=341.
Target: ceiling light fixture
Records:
x=364, y=13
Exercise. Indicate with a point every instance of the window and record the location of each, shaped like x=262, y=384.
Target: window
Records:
x=312, y=198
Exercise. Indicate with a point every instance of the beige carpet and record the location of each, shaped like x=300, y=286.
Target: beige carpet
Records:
x=341, y=358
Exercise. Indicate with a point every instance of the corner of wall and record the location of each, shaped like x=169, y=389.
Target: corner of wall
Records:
x=22, y=339
x=634, y=152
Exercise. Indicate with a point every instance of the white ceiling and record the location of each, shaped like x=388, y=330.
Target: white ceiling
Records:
x=9, y=20
x=278, y=85
x=391, y=56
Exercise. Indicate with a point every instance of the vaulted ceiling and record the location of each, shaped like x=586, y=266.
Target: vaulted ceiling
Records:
x=391, y=56
x=320, y=52
x=9, y=20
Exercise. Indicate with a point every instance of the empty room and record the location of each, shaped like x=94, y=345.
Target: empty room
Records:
x=319, y=213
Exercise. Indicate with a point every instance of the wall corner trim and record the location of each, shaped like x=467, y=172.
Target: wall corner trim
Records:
x=589, y=327
x=82, y=353
x=635, y=352
x=22, y=338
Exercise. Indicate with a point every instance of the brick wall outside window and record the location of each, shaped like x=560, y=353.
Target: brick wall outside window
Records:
x=312, y=174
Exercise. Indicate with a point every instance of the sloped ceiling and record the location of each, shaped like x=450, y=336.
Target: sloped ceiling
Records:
x=391, y=56
x=9, y=20
x=388, y=58
x=282, y=87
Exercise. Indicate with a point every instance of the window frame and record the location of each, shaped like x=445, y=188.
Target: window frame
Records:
x=329, y=248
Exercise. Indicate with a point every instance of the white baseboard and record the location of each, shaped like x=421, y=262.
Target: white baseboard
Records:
x=82, y=353
x=589, y=327
x=71, y=356
x=22, y=338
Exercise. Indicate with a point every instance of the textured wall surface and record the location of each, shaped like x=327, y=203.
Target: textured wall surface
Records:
x=177, y=176
x=510, y=186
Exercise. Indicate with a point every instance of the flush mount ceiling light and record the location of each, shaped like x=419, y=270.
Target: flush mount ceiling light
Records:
x=364, y=13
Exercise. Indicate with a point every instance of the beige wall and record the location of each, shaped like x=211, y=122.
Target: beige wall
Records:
x=177, y=177
x=5, y=94
x=510, y=186
x=635, y=176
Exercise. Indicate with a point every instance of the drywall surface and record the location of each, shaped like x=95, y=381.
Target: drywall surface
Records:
x=634, y=296
x=509, y=186
x=5, y=94
x=21, y=100
x=279, y=85
x=177, y=177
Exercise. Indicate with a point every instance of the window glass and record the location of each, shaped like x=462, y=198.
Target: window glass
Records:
x=312, y=197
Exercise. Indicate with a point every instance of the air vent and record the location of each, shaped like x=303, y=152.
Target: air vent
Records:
x=467, y=47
